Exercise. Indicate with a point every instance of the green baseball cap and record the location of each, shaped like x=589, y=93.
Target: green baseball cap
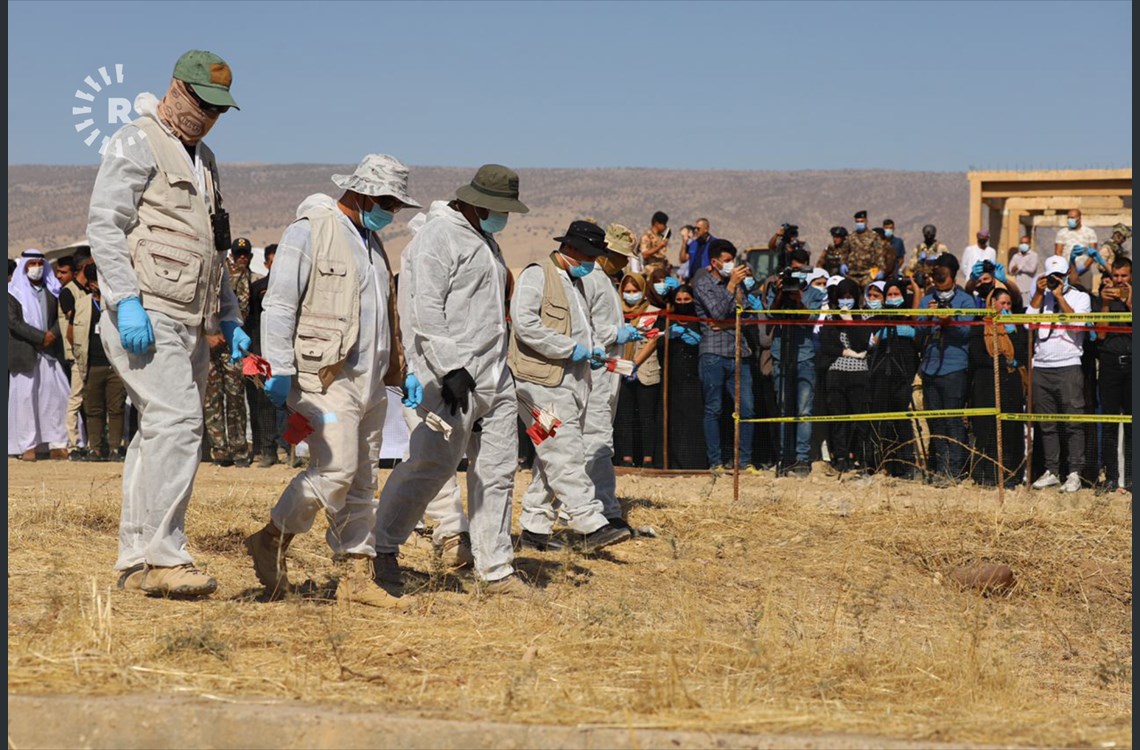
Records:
x=208, y=75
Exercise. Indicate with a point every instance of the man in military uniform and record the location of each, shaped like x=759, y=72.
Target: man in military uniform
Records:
x=834, y=257
x=225, y=394
x=926, y=252
x=870, y=256
x=1114, y=248
x=655, y=244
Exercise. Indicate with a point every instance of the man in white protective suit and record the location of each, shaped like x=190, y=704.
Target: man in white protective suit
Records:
x=159, y=236
x=329, y=330
x=553, y=351
x=610, y=332
x=453, y=324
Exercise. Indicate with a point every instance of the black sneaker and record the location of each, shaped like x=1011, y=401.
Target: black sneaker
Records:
x=223, y=460
x=603, y=537
x=77, y=455
x=620, y=523
x=242, y=462
x=267, y=460
x=540, y=542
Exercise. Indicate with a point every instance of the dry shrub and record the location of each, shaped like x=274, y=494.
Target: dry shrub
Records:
x=809, y=605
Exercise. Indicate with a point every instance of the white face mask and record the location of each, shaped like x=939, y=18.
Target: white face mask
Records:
x=1023, y=248
x=36, y=273
x=726, y=268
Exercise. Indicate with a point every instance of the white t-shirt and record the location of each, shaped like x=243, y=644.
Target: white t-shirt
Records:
x=1060, y=347
x=1082, y=235
x=972, y=255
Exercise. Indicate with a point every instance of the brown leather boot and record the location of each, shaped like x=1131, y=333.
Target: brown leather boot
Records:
x=358, y=586
x=267, y=548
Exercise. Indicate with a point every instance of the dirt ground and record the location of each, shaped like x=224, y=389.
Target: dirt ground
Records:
x=809, y=608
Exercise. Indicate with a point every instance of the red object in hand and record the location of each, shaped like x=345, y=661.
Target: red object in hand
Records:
x=297, y=428
x=539, y=431
x=255, y=365
x=652, y=333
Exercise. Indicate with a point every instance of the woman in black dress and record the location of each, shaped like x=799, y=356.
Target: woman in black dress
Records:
x=686, y=403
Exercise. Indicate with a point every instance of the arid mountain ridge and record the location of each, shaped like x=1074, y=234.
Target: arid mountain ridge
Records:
x=47, y=205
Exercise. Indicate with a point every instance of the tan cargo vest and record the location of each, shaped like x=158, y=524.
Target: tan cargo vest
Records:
x=525, y=362
x=172, y=245
x=80, y=327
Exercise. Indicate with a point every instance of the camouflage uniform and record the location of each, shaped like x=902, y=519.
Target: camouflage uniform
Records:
x=867, y=251
x=833, y=257
x=660, y=259
x=924, y=254
x=1111, y=249
x=225, y=393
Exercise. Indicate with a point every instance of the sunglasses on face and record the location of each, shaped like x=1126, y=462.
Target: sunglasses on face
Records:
x=205, y=106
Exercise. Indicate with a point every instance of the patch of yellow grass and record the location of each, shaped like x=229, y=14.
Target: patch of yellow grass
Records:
x=810, y=605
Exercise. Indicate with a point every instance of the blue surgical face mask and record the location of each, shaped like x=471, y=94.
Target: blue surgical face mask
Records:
x=749, y=283
x=1072, y=223
x=874, y=304
x=889, y=233
x=1023, y=247
x=376, y=218
x=846, y=303
x=661, y=288
x=896, y=302
x=581, y=270
x=632, y=298
x=813, y=297
x=494, y=223
x=726, y=268
x=860, y=226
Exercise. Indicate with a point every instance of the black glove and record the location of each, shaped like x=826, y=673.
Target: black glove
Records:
x=455, y=387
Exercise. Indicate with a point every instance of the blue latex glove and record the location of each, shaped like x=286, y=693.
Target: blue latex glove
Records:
x=580, y=353
x=135, y=333
x=906, y=332
x=1077, y=251
x=999, y=272
x=277, y=389
x=597, y=358
x=672, y=283
x=236, y=339
x=1097, y=257
x=413, y=392
x=691, y=337
x=976, y=270
x=677, y=330
x=754, y=302
x=843, y=269
x=881, y=275
x=628, y=333
x=632, y=377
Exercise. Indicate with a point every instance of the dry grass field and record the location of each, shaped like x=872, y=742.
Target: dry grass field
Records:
x=808, y=606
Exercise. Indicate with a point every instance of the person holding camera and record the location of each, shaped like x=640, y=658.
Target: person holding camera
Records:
x=159, y=234
x=784, y=242
x=1058, y=381
x=944, y=370
x=924, y=254
x=1114, y=356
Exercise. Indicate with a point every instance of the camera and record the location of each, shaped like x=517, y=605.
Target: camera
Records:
x=1053, y=280
x=921, y=279
x=791, y=231
x=220, y=222
x=790, y=278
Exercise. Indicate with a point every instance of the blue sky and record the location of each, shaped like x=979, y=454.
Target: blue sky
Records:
x=930, y=86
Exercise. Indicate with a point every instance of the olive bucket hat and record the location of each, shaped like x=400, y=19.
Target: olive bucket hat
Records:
x=495, y=188
x=208, y=75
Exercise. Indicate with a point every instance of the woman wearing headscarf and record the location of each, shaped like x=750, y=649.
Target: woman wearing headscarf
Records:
x=893, y=363
x=639, y=399
x=1009, y=346
x=686, y=402
x=844, y=350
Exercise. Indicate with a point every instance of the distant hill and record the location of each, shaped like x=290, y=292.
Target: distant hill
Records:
x=47, y=205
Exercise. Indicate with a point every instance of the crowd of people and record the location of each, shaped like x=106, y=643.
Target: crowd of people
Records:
x=575, y=351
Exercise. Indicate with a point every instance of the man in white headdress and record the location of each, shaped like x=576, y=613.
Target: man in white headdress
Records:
x=37, y=396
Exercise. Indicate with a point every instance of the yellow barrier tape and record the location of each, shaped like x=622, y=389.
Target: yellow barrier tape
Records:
x=885, y=416
x=1099, y=418
x=1068, y=318
x=889, y=312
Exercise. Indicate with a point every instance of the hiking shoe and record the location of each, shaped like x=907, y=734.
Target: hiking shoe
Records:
x=800, y=469
x=1072, y=483
x=241, y=462
x=223, y=460
x=268, y=552
x=454, y=551
x=177, y=581
x=386, y=569
x=357, y=585
x=620, y=523
x=540, y=542
x=719, y=470
x=77, y=455
x=603, y=537
x=752, y=471
x=131, y=579
x=510, y=585
x=266, y=461
x=1046, y=480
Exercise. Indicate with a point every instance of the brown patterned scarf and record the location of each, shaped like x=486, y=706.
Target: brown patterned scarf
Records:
x=181, y=113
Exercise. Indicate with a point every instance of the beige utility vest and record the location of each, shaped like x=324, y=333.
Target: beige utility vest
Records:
x=328, y=324
x=172, y=245
x=525, y=362
x=80, y=327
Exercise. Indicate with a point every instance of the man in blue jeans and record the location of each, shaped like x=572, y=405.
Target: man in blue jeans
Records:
x=945, y=358
x=717, y=290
